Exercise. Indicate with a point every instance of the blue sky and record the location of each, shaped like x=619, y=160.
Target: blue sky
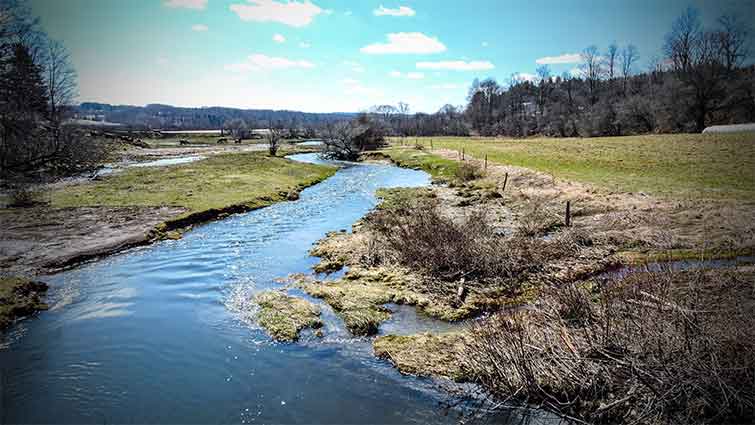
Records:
x=339, y=55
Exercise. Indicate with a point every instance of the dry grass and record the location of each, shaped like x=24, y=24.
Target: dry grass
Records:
x=663, y=347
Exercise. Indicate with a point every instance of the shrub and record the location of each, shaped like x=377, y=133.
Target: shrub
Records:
x=468, y=171
x=661, y=347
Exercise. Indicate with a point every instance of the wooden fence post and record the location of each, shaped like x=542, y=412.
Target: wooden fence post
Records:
x=462, y=154
x=567, y=218
x=486, y=162
x=505, y=180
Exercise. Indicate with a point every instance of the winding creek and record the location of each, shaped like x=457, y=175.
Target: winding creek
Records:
x=163, y=333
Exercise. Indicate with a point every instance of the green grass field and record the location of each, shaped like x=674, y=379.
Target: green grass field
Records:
x=216, y=182
x=679, y=165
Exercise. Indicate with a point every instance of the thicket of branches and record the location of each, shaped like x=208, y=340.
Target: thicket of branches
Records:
x=37, y=88
x=700, y=81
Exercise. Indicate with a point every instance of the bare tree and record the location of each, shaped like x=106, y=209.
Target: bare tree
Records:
x=733, y=40
x=592, y=70
x=544, y=74
x=274, y=137
x=680, y=42
x=629, y=56
x=611, y=58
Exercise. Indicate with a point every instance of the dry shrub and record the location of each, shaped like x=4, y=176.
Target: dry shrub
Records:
x=468, y=171
x=418, y=236
x=661, y=347
x=537, y=219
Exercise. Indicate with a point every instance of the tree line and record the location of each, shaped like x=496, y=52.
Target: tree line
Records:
x=37, y=88
x=701, y=80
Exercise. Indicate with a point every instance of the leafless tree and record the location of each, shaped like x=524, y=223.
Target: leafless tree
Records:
x=733, y=39
x=680, y=42
x=629, y=56
x=592, y=70
x=274, y=137
x=612, y=55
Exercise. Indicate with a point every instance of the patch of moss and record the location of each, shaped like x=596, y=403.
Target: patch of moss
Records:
x=284, y=316
x=425, y=354
x=19, y=297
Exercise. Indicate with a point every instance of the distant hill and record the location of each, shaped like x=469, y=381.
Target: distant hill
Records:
x=167, y=117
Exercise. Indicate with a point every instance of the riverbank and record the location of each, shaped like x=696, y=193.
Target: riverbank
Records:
x=138, y=206
x=19, y=297
x=495, y=240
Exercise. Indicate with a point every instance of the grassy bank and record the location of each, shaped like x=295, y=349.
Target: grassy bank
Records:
x=250, y=180
x=674, y=165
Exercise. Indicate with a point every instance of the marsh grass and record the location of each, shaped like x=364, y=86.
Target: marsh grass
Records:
x=661, y=347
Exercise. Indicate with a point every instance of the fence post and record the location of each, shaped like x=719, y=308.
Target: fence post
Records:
x=567, y=219
x=431, y=144
x=505, y=180
x=462, y=154
x=486, y=162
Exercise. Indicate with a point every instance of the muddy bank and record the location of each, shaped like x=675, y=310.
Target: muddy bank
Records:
x=19, y=297
x=40, y=239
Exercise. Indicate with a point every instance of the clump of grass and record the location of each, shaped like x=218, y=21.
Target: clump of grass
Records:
x=284, y=316
x=662, y=347
x=19, y=297
x=467, y=172
x=424, y=354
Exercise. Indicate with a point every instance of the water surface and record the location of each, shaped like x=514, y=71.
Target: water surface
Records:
x=164, y=333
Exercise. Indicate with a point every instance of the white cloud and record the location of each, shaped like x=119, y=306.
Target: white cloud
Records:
x=305, y=45
x=406, y=42
x=199, y=28
x=457, y=65
x=162, y=61
x=186, y=4
x=484, y=44
x=561, y=59
x=260, y=62
x=447, y=86
x=348, y=13
x=279, y=38
x=355, y=66
x=395, y=74
x=400, y=11
x=291, y=13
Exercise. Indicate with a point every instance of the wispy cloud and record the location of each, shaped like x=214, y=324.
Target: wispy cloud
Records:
x=400, y=11
x=561, y=59
x=406, y=43
x=186, y=4
x=408, y=75
x=457, y=65
x=291, y=13
x=484, y=44
x=199, y=27
x=355, y=66
x=260, y=62
x=305, y=45
x=279, y=38
x=355, y=87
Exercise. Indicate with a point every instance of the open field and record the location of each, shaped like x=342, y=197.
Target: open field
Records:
x=720, y=166
x=216, y=182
